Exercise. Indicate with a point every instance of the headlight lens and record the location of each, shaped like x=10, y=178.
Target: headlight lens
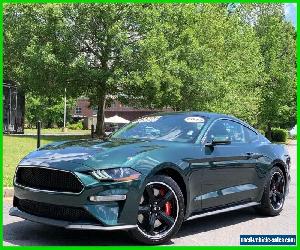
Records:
x=116, y=174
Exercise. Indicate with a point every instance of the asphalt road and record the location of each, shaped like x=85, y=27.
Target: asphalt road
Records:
x=222, y=229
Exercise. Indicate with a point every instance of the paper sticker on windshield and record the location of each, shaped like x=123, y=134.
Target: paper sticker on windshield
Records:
x=148, y=119
x=194, y=119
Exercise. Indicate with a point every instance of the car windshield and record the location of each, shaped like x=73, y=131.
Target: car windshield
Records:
x=180, y=128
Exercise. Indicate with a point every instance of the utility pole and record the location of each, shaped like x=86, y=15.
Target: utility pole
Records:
x=65, y=110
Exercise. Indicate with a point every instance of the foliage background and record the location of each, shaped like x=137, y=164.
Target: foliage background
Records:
x=237, y=59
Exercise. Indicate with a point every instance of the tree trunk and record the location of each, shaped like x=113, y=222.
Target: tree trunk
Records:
x=100, y=129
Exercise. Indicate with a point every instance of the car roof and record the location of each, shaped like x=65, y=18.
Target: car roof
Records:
x=208, y=115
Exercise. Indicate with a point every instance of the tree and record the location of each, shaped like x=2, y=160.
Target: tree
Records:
x=208, y=57
x=81, y=47
x=277, y=42
x=277, y=39
x=204, y=59
x=48, y=110
x=227, y=67
x=32, y=53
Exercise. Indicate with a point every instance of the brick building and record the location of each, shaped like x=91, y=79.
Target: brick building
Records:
x=83, y=110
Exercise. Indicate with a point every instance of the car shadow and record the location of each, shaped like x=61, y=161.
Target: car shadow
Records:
x=29, y=233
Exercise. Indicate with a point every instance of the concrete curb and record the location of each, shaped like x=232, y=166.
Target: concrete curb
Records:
x=8, y=192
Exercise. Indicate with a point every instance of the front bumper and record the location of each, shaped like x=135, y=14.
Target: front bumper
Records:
x=65, y=224
x=115, y=206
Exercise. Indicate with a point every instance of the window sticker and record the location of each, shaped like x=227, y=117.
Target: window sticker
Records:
x=148, y=119
x=194, y=119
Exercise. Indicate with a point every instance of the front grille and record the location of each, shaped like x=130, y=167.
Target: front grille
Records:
x=72, y=214
x=48, y=179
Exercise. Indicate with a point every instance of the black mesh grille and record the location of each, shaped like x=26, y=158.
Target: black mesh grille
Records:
x=51, y=211
x=48, y=179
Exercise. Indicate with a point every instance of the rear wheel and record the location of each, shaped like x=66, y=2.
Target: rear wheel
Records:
x=161, y=211
x=274, y=194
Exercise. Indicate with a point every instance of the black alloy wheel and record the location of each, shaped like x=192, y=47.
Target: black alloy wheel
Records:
x=273, y=198
x=277, y=187
x=160, y=211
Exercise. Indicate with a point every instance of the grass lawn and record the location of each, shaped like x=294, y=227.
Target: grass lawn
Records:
x=56, y=131
x=16, y=147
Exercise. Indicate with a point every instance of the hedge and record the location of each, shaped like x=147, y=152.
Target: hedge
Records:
x=75, y=126
x=279, y=135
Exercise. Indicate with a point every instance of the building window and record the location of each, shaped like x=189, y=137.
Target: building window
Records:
x=78, y=110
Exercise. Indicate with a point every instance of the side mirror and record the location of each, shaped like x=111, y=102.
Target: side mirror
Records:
x=219, y=140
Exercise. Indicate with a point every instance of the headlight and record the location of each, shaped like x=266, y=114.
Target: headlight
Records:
x=116, y=174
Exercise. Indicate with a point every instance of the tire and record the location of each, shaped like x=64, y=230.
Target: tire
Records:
x=161, y=205
x=272, y=201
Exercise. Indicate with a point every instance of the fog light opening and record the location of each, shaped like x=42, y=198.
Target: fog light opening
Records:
x=96, y=198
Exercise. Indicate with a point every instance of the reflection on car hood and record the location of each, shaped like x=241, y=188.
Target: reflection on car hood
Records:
x=92, y=154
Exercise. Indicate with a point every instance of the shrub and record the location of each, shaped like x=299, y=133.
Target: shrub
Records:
x=75, y=126
x=279, y=135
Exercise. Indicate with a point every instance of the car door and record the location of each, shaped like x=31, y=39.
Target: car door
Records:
x=227, y=171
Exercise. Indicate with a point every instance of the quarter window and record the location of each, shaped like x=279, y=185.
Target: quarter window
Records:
x=250, y=135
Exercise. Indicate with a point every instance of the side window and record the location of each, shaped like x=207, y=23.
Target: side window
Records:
x=222, y=128
x=250, y=135
x=217, y=130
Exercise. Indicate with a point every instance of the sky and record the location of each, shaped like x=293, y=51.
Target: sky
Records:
x=290, y=10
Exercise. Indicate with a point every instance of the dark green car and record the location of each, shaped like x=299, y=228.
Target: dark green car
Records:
x=152, y=175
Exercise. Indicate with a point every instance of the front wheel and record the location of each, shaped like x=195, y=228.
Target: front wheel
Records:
x=274, y=194
x=161, y=211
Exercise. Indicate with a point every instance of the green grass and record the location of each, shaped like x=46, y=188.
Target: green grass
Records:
x=56, y=131
x=16, y=147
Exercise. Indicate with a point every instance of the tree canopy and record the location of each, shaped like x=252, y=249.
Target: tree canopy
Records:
x=238, y=60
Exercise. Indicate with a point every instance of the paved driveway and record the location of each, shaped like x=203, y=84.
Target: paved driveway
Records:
x=222, y=229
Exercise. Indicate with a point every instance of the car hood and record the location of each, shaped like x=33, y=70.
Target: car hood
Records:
x=92, y=154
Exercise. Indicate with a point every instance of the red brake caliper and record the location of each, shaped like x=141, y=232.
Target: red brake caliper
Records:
x=168, y=205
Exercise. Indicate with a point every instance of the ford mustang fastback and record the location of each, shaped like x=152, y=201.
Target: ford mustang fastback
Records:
x=152, y=175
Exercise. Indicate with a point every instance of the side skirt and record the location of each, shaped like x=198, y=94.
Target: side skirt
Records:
x=223, y=210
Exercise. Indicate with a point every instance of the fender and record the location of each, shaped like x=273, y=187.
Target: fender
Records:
x=168, y=168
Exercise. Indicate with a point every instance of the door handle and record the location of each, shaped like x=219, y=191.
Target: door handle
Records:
x=252, y=155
